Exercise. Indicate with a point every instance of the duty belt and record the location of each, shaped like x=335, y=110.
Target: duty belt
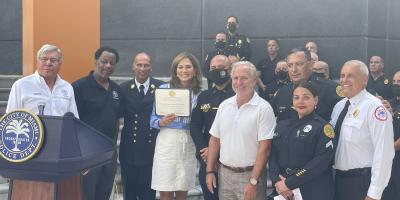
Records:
x=354, y=172
x=238, y=169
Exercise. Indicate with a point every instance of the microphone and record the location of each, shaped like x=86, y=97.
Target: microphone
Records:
x=41, y=106
x=69, y=114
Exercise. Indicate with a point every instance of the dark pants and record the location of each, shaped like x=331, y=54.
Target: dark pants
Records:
x=202, y=179
x=98, y=183
x=352, y=186
x=136, y=182
x=392, y=191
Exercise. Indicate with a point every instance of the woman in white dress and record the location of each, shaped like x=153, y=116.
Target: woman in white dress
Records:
x=174, y=165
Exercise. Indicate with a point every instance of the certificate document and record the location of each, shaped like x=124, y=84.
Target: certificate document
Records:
x=176, y=101
x=296, y=192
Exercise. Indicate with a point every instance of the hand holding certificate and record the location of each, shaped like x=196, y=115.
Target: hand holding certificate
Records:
x=176, y=101
x=296, y=195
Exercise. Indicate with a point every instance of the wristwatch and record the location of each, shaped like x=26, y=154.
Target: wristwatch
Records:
x=253, y=181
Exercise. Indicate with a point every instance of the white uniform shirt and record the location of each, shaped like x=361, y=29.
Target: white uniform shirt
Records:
x=146, y=85
x=239, y=130
x=366, y=139
x=29, y=91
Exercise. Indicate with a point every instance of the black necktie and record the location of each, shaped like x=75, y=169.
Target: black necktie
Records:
x=141, y=90
x=341, y=118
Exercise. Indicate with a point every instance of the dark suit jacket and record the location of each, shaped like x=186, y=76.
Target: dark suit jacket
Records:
x=138, y=138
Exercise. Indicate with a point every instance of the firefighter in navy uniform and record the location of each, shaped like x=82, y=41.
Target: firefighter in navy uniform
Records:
x=392, y=191
x=138, y=138
x=204, y=113
x=300, y=69
x=303, y=148
x=220, y=48
x=239, y=43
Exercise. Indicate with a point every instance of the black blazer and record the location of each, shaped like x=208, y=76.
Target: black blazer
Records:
x=138, y=138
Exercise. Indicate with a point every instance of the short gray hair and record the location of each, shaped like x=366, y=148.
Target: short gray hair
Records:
x=361, y=66
x=49, y=48
x=251, y=67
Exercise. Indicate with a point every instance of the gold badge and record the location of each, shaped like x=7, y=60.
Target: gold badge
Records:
x=328, y=131
x=356, y=113
x=205, y=107
x=132, y=86
x=339, y=91
x=152, y=86
x=171, y=93
x=386, y=81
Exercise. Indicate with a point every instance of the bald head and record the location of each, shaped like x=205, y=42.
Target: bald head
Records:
x=321, y=67
x=141, y=67
x=220, y=62
x=312, y=46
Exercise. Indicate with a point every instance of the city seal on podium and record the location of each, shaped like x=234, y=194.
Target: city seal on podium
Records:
x=21, y=135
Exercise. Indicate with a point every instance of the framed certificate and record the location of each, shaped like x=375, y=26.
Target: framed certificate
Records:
x=176, y=101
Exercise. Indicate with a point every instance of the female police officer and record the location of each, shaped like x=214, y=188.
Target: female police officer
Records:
x=302, y=150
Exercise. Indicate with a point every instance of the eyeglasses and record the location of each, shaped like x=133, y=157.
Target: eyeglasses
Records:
x=52, y=60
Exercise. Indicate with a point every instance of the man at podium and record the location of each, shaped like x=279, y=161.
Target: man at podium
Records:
x=99, y=102
x=44, y=92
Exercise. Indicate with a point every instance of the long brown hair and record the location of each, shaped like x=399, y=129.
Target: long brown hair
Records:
x=195, y=84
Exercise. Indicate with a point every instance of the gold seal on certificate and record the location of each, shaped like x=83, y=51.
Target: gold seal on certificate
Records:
x=176, y=101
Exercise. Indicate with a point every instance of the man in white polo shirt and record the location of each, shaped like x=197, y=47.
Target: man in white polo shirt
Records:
x=241, y=135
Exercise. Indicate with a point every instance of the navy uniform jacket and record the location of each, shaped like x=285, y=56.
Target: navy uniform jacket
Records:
x=303, y=152
x=328, y=93
x=98, y=107
x=204, y=113
x=138, y=138
x=382, y=86
x=241, y=44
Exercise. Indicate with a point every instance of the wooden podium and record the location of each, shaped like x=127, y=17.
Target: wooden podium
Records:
x=70, y=147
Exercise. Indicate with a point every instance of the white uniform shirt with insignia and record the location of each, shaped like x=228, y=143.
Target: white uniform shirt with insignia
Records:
x=29, y=91
x=366, y=139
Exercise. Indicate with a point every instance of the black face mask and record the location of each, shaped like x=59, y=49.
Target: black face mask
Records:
x=396, y=90
x=220, y=45
x=282, y=75
x=321, y=75
x=232, y=27
x=218, y=76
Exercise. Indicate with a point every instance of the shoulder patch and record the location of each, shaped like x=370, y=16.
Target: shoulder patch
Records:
x=339, y=91
x=380, y=113
x=328, y=131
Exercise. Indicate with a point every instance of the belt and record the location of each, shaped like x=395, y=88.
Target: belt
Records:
x=353, y=172
x=238, y=169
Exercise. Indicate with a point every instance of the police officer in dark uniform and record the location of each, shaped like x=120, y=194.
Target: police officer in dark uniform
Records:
x=303, y=148
x=204, y=113
x=99, y=101
x=282, y=78
x=221, y=47
x=392, y=191
x=239, y=43
x=138, y=138
x=300, y=69
x=266, y=66
x=377, y=81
